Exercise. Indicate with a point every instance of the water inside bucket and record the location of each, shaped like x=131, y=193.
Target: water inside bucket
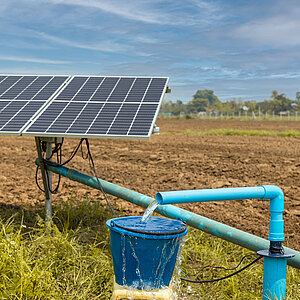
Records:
x=149, y=211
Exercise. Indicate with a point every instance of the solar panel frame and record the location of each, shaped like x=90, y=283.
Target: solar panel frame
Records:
x=36, y=105
x=136, y=134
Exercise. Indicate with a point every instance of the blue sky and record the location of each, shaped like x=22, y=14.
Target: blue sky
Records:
x=237, y=48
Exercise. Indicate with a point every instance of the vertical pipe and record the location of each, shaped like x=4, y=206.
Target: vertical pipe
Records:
x=274, y=284
x=48, y=200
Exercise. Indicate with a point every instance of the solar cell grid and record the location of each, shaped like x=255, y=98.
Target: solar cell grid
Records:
x=34, y=88
x=2, y=78
x=121, y=90
x=83, y=122
x=22, y=97
x=154, y=90
x=50, y=88
x=138, y=90
x=102, y=107
x=3, y=104
x=106, y=88
x=7, y=83
x=66, y=118
x=124, y=119
x=72, y=88
x=10, y=111
x=88, y=89
x=24, y=114
x=18, y=87
x=46, y=118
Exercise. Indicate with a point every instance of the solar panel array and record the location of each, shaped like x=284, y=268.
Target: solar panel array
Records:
x=21, y=97
x=80, y=106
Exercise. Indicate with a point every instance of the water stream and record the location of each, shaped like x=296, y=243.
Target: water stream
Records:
x=175, y=284
x=149, y=211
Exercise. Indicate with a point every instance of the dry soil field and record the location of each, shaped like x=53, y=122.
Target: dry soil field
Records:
x=176, y=162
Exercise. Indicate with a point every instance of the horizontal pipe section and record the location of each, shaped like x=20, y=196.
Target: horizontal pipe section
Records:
x=270, y=192
x=220, y=230
x=207, y=195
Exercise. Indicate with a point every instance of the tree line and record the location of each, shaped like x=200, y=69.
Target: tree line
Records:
x=207, y=101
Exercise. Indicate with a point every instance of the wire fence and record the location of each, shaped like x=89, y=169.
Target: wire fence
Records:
x=283, y=116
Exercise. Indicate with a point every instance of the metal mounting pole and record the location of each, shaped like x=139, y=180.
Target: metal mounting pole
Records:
x=48, y=195
x=48, y=201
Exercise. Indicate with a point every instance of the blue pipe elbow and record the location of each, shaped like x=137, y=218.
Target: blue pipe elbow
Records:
x=276, y=225
x=271, y=192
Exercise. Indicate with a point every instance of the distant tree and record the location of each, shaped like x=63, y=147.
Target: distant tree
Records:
x=174, y=108
x=205, y=100
x=197, y=105
x=280, y=102
x=206, y=94
x=298, y=97
x=178, y=108
x=251, y=105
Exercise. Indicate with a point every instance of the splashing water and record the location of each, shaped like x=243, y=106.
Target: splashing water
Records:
x=176, y=281
x=149, y=211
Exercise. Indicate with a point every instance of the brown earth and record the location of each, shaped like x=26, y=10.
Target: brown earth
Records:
x=176, y=162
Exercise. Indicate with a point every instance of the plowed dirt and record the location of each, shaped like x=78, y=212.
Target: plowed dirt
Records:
x=176, y=162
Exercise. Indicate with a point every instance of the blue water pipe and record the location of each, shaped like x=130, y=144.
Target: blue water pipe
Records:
x=223, y=231
x=275, y=258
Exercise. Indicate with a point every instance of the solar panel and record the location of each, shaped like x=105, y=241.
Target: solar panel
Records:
x=124, y=107
x=22, y=97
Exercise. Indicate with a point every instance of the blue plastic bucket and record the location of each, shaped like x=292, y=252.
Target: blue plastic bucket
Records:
x=145, y=254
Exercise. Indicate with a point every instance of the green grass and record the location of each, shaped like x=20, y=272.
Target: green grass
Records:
x=73, y=260
x=237, y=132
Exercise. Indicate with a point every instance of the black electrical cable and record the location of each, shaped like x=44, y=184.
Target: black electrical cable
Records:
x=74, y=152
x=82, y=153
x=220, y=267
x=36, y=179
x=225, y=277
x=58, y=151
x=92, y=165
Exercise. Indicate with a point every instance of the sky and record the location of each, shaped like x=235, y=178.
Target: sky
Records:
x=236, y=48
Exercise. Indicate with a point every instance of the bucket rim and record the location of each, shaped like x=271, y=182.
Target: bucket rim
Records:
x=145, y=234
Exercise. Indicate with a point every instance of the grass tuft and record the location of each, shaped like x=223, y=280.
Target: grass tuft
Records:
x=202, y=252
x=237, y=132
x=73, y=260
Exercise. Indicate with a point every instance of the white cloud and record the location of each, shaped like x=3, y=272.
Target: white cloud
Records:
x=128, y=34
x=32, y=70
x=171, y=13
x=280, y=29
x=32, y=60
x=106, y=46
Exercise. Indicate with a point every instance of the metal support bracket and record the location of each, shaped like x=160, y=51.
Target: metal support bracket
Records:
x=46, y=174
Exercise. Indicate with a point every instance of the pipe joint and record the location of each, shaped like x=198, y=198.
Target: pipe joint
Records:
x=276, y=197
x=276, y=226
